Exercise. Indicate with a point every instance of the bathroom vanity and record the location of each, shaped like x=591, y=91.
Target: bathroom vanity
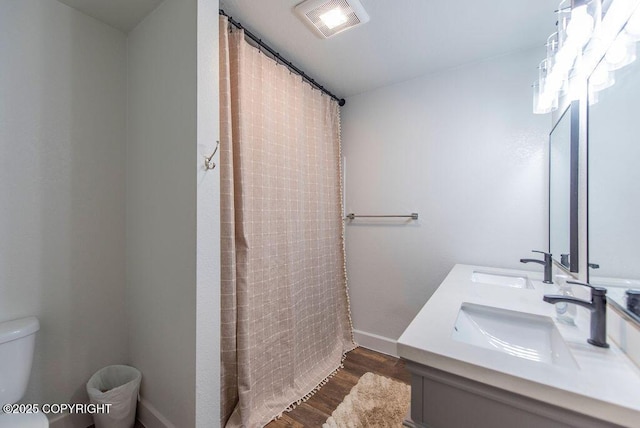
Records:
x=486, y=351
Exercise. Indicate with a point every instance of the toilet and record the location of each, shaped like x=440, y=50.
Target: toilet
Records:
x=17, y=340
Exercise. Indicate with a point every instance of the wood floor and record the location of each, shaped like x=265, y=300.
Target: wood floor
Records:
x=137, y=425
x=318, y=408
x=315, y=412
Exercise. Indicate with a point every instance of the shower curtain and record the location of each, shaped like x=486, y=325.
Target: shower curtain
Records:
x=285, y=308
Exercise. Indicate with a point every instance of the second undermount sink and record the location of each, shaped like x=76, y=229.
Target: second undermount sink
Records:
x=527, y=336
x=502, y=279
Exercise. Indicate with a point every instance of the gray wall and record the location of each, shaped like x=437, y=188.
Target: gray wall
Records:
x=62, y=188
x=108, y=263
x=208, y=221
x=462, y=148
x=161, y=207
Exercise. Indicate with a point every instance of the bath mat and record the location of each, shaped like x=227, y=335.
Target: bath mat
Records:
x=375, y=401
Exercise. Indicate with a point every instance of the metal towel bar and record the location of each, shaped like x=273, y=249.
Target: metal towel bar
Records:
x=412, y=216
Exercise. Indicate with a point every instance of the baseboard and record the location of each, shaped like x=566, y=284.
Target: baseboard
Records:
x=376, y=342
x=71, y=420
x=147, y=415
x=150, y=417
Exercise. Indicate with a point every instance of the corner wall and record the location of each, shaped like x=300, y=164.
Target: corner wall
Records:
x=208, y=221
x=161, y=210
x=62, y=187
x=463, y=149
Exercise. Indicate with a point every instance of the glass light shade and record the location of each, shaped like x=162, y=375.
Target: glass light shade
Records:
x=594, y=9
x=536, y=97
x=564, y=17
x=555, y=81
x=622, y=52
x=552, y=48
x=633, y=26
x=543, y=102
x=543, y=71
x=581, y=26
x=576, y=85
x=601, y=78
x=563, y=65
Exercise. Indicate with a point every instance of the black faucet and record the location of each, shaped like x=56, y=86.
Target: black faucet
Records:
x=548, y=265
x=633, y=301
x=598, y=308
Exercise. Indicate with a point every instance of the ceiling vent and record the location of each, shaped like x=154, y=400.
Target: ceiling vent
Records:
x=329, y=17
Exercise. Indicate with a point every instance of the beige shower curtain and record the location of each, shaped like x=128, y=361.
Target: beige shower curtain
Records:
x=285, y=309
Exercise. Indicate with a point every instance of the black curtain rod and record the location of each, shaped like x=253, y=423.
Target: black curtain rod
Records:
x=289, y=64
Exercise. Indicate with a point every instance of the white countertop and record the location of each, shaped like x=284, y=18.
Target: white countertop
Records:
x=606, y=384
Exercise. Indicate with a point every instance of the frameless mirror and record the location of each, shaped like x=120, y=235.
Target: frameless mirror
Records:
x=614, y=185
x=563, y=171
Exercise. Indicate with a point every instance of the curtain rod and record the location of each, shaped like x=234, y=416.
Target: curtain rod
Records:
x=289, y=64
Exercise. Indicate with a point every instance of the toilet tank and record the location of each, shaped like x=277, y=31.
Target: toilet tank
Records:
x=17, y=340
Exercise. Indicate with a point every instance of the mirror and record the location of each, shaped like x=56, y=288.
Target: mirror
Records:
x=614, y=186
x=563, y=202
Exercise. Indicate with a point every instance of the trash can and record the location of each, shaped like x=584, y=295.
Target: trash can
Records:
x=117, y=386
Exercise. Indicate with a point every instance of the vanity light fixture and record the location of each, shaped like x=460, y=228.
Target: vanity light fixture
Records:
x=622, y=52
x=326, y=18
x=582, y=23
x=584, y=36
x=633, y=26
x=601, y=78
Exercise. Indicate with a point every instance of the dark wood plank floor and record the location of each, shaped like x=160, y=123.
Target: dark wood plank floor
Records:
x=318, y=408
x=137, y=425
x=314, y=412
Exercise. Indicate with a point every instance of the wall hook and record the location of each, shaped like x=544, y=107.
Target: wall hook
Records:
x=208, y=160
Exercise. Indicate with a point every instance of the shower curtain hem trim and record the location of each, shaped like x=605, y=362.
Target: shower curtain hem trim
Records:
x=322, y=383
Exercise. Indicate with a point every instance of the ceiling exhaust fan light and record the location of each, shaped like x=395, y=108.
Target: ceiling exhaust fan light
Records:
x=333, y=18
x=326, y=18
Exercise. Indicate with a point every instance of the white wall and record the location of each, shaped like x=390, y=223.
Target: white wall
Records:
x=460, y=147
x=208, y=221
x=62, y=187
x=161, y=208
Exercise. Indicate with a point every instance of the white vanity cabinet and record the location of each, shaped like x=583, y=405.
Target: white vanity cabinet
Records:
x=489, y=353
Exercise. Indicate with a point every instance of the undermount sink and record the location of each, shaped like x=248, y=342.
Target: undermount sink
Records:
x=528, y=336
x=502, y=279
